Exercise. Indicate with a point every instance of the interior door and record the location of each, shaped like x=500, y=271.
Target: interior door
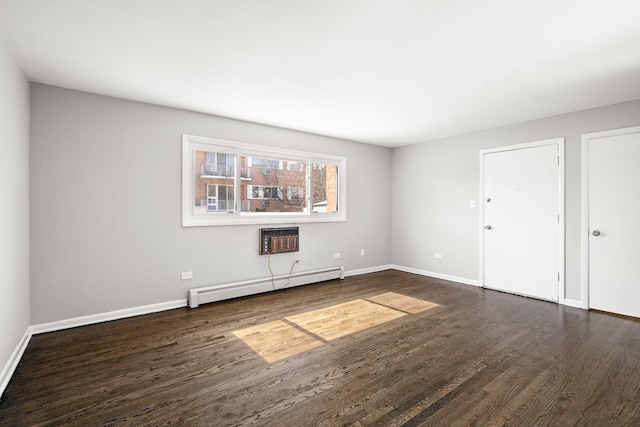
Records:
x=614, y=223
x=521, y=203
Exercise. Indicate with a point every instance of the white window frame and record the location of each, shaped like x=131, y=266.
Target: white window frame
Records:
x=191, y=218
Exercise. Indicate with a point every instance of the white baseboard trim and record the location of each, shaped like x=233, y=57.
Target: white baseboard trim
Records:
x=457, y=279
x=14, y=360
x=146, y=309
x=105, y=317
x=367, y=270
x=572, y=303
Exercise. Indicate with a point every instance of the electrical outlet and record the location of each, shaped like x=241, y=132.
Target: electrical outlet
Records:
x=438, y=256
x=361, y=252
x=336, y=255
x=187, y=275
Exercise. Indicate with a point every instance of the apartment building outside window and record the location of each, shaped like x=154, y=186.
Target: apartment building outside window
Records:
x=273, y=185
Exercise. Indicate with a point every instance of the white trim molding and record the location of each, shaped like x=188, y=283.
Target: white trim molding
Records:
x=462, y=280
x=367, y=270
x=105, y=317
x=14, y=361
x=571, y=303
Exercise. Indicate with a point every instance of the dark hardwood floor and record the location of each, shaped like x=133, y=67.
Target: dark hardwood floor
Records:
x=481, y=358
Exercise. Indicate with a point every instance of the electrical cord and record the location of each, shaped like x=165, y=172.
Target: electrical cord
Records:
x=273, y=282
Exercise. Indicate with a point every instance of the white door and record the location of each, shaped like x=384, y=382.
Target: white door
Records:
x=614, y=223
x=521, y=235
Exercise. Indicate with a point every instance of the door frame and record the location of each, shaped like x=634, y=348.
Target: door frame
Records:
x=559, y=143
x=584, y=220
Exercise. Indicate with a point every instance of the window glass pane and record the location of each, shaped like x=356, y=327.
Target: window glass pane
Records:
x=258, y=162
x=325, y=188
x=292, y=165
x=266, y=183
x=256, y=192
x=225, y=198
x=214, y=174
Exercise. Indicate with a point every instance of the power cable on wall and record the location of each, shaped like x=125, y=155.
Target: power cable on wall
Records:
x=273, y=283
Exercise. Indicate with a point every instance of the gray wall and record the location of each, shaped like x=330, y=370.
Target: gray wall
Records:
x=14, y=204
x=433, y=183
x=105, y=201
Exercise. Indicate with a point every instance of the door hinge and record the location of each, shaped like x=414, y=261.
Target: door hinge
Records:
x=558, y=276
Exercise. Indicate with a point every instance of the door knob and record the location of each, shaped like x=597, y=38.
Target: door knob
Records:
x=487, y=227
x=596, y=233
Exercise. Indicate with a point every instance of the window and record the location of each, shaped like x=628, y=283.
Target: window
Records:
x=218, y=164
x=220, y=198
x=295, y=166
x=273, y=186
x=295, y=193
x=257, y=162
x=261, y=192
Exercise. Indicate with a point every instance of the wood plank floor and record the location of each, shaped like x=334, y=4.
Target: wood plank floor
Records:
x=479, y=358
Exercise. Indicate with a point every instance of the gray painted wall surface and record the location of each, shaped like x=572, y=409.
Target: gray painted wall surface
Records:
x=14, y=204
x=105, y=198
x=434, y=182
x=106, y=216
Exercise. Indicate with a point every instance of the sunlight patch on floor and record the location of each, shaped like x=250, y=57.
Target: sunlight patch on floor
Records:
x=344, y=319
x=403, y=302
x=279, y=340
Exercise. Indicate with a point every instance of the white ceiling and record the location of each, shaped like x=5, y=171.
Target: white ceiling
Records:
x=386, y=72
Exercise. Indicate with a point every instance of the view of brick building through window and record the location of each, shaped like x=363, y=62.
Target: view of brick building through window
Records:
x=266, y=185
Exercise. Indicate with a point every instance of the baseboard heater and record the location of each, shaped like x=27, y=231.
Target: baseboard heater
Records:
x=225, y=291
